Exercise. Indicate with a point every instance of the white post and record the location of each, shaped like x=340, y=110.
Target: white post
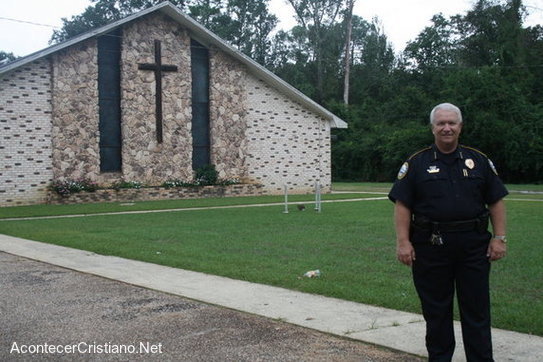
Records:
x=317, y=197
x=286, y=200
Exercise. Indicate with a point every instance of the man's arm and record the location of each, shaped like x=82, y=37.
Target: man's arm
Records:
x=497, y=248
x=402, y=220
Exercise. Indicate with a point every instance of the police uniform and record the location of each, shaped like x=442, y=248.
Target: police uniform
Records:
x=448, y=195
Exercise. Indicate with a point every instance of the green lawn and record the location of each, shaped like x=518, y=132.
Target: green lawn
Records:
x=48, y=210
x=352, y=243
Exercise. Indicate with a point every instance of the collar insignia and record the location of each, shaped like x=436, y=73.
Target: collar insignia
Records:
x=470, y=164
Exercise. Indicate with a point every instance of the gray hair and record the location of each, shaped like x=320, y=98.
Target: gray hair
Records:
x=446, y=107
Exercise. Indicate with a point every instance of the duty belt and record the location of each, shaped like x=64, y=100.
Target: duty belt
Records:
x=424, y=223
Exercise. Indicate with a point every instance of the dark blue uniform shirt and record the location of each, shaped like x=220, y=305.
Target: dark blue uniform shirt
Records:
x=448, y=187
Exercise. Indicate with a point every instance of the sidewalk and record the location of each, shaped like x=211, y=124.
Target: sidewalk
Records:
x=394, y=329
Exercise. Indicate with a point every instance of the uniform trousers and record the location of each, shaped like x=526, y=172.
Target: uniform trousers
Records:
x=460, y=264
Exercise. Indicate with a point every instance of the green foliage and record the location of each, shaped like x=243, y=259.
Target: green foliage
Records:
x=206, y=175
x=68, y=187
x=486, y=62
x=246, y=24
x=203, y=178
x=101, y=13
x=6, y=57
x=126, y=185
x=170, y=184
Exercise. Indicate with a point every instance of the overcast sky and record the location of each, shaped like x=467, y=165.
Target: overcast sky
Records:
x=27, y=25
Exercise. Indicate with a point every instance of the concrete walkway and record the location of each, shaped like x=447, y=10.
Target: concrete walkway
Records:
x=398, y=330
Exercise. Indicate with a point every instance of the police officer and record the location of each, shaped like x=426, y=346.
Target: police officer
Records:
x=444, y=196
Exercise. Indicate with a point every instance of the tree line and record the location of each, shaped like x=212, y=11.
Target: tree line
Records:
x=485, y=61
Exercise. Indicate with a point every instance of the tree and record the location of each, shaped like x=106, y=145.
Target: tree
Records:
x=100, y=14
x=492, y=33
x=348, y=38
x=373, y=63
x=316, y=16
x=245, y=24
x=435, y=46
x=251, y=26
x=209, y=14
x=6, y=57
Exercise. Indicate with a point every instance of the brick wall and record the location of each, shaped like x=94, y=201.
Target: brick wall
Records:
x=25, y=141
x=287, y=143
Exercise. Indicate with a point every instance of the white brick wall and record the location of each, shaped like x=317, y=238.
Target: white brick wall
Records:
x=287, y=143
x=25, y=141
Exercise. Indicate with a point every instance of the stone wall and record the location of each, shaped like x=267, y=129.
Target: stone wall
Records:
x=228, y=120
x=25, y=140
x=144, y=159
x=287, y=143
x=76, y=152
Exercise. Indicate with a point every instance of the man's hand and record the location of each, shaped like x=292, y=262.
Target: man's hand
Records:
x=402, y=220
x=496, y=249
x=405, y=253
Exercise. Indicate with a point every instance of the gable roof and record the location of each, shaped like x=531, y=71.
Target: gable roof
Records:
x=205, y=37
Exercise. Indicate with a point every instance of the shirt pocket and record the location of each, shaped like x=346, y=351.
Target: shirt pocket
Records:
x=433, y=186
x=474, y=184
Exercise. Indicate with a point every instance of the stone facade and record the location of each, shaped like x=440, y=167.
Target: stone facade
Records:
x=50, y=117
x=76, y=152
x=144, y=159
x=25, y=142
x=228, y=116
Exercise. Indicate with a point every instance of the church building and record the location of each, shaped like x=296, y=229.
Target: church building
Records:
x=151, y=98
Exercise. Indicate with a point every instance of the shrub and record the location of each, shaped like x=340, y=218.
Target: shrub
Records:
x=68, y=187
x=126, y=185
x=176, y=183
x=206, y=175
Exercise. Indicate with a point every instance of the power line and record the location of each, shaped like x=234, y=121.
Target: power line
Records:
x=29, y=22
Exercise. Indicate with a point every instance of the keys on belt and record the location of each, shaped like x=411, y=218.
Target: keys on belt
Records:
x=436, y=239
x=423, y=223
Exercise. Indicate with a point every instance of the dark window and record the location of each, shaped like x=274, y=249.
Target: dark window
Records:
x=200, y=105
x=109, y=100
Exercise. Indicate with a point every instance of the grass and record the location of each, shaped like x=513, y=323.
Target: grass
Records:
x=87, y=209
x=352, y=243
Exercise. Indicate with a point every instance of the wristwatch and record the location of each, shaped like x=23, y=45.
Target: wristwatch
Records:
x=500, y=237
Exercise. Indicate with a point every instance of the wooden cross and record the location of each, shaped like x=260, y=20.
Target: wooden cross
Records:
x=158, y=68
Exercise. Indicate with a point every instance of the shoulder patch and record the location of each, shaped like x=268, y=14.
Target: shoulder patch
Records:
x=403, y=170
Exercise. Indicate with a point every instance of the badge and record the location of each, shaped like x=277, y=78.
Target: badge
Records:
x=470, y=164
x=433, y=169
x=403, y=171
x=492, y=166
